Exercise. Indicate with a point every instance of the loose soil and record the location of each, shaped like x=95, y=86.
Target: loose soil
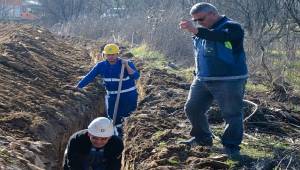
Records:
x=39, y=108
x=154, y=131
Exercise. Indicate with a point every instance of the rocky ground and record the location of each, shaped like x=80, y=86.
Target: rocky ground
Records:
x=39, y=109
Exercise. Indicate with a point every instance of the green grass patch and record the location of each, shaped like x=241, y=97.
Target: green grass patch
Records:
x=173, y=161
x=162, y=145
x=264, y=147
x=276, y=53
x=158, y=134
x=187, y=73
x=178, y=140
x=256, y=152
x=4, y=154
x=281, y=145
x=259, y=149
x=294, y=64
x=155, y=59
x=232, y=164
x=218, y=130
x=256, y=87
x=294, y=78
x=294, y=108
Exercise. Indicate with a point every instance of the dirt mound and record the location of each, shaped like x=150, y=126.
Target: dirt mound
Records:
x=153, y=133
x=38, y=106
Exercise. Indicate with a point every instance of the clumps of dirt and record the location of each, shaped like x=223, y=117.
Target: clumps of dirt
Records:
x=153, y=132
x=38, y=103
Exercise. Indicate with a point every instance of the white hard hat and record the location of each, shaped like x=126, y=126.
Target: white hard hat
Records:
x=101, y=127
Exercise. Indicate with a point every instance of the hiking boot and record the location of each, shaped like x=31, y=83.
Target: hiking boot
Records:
x=194, y=142
x=233, y=153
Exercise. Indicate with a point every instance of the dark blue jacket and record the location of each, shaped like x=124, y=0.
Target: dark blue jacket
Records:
x=110, y=73
x=79, y=148
x=219, y=52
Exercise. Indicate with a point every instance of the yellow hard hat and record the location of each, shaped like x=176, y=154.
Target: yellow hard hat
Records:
x=111, y=49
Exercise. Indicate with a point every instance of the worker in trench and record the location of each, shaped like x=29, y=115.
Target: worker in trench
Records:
x=94, y=148
x=110, y=71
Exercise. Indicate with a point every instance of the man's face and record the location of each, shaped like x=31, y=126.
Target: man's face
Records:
x=98, y=142
x=111, y=58
x=205, y=19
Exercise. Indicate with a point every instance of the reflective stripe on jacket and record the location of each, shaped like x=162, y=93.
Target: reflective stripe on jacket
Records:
x=110, y=73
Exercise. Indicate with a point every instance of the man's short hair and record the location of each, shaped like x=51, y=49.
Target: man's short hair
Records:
x=203, y=7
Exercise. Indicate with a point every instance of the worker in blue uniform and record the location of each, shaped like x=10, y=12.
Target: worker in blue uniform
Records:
x=109, y=70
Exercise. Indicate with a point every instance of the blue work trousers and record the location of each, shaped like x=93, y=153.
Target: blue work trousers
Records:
x=127, y=104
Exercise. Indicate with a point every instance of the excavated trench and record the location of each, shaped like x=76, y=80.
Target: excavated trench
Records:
x=40, y=108
x=97, y=109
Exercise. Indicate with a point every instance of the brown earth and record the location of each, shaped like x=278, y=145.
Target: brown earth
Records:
x=39, y=109
x=154, y=130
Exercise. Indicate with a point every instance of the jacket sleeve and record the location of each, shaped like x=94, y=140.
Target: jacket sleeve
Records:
x=115, y=155
x=231, y=32
x=89, y=77
x=72, y=159
x=136, y=74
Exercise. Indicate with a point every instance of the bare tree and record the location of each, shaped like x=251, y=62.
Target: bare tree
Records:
x=293, y=8
x=271, y=27
x=62, y=10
